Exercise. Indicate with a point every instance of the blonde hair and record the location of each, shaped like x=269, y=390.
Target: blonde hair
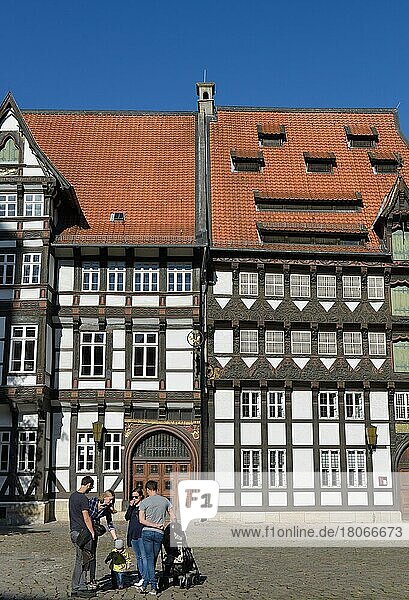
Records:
x=105, y=495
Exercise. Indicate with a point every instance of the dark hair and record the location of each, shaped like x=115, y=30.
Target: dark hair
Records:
x=86, y=480
x=138, y=491
x=151, y=485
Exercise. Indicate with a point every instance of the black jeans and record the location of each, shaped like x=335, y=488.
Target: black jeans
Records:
x=78, y=576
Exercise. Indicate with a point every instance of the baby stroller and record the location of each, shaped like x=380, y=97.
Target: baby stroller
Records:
x=178, y=563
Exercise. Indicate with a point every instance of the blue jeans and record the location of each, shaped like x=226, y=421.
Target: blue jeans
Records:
x=152, y=541
x=139, y=551
x=117, y=579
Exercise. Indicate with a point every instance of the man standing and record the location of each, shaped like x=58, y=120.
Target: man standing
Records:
x=152, y=513
x=79, y=520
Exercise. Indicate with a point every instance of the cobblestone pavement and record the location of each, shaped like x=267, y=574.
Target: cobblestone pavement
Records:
x=36, y=564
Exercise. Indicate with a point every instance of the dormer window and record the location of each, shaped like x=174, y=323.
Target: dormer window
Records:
x=117, y=217
x=361, y=136
x=319, y=162
x=247, y=160
x=9, y=152
x=385, y=162
x=271, y=135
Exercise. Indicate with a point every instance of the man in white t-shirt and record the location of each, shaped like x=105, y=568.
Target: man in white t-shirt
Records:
x=152, y=514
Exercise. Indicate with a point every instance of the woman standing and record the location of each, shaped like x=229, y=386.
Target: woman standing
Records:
x=133, y=537
x=99, y=508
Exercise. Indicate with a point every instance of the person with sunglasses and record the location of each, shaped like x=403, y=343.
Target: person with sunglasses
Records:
x=134, y=534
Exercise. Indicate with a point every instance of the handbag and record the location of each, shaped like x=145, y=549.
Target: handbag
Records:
x=99, y=529
x=83, y=537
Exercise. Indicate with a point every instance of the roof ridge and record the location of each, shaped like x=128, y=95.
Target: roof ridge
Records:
x=305, y=109
x=65, y=111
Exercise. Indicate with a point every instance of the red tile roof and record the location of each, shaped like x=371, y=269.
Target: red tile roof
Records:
x=141, y=164
x=234, y=211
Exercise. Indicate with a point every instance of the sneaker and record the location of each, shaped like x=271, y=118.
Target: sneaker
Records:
x=93, y=585
x=153, y=592
x=139, y=583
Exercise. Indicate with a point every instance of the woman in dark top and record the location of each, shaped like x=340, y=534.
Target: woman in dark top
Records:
x=133, y=537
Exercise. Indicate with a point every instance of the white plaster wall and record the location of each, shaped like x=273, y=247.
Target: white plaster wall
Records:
x=224, y=467
x=23, y=380
x=64, y=359
x=64, y=380
x=251, y=499
x=179, y=300
x=61, y=438
x=65, y=275
x=331, y=498
x=301, y=401
x=32, y=225
x=10, y=123
x=65, y=299
x=383, y=498
x=118, y=359
x=302, y=434
x=8, y=225
x=114, y=420
x=224, y=404
x=276, y=434
x=303, y=468
x=329, y=434
x=357, y=498
x=379, y=405
x=5, y=416
x=179, y=381
x=383, y=434
x=304, y=498
x=91, y=384
x=138, y=300
x=109, y=481
x=250, y=434
x=112, y=300
x=38, y=244
x=177, y=338
x=224, y=283
x=224, y=434
x=29, y=157
x=51, y=267
x=29, y=420
x=30, y=293
x=89, y=299
x=49, y=350
x=118, y=380
x=67, y=338
x=381, y=459
x=223, y=341
x=86, y=418
x=277, y=498
x=144, y=384
x=179, y=359
x=354, y=434
x=64, y=478
x=118, y=338
x=226, y=499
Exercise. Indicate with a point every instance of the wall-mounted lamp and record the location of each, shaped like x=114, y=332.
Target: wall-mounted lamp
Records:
x=371, y=437
x=97, y=429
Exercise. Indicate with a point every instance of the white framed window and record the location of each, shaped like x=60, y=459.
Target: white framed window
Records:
x=402, y=406
x=353, y=343
x=328, y=405
x=179, y=277
x=327, y=343
x=5, y=438
x=250, y=404
x=351, y=287
x=354, y=405
x=7, y=269
x=248, y=284
x=27, y=447
x=146, y=277
x=274, y=284
x=249, y=341
x=23, y=349
x=376, y=287
x=250, y=469
x=300, y=286
x=92, y=354
x=326, y=286
x=301, y=342
x=31, y=269
x=8, y=205
x=377, y=343
x=112, y=451
x=356, y=465
x=145, y=354
x=90, y=277
x=330, y=468
x=274, y=342
x=276, y=404
x=85, y=453
x=116, y=276
x=277, y=469
x=33, y=205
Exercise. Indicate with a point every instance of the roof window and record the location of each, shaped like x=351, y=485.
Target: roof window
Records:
x=117, y=217
x=361, y=136
x=267, y=202
x=271, y=135
x=247, y=160
x=320, y=162
x=385, y=162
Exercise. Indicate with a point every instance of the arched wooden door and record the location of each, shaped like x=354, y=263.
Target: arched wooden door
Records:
x=158, y=457
x=403, y=471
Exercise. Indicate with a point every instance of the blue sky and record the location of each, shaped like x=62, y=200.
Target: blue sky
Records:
x=129, y=54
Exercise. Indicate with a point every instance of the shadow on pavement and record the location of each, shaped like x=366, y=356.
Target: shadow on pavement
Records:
x=20, y=530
